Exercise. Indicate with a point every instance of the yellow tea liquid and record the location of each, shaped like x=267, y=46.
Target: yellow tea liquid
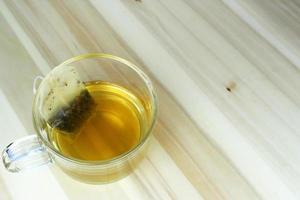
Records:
x=113, y=127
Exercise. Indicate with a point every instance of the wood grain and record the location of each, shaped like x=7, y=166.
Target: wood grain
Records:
x=228, y=81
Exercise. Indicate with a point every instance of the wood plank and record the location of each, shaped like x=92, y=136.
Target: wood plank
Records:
x=197, y=39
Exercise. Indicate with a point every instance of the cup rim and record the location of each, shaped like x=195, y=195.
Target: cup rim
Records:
x=126, y=154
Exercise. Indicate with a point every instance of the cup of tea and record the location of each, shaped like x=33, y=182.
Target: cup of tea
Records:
x=93, y=116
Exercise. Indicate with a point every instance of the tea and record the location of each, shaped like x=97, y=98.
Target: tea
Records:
x=113, y=126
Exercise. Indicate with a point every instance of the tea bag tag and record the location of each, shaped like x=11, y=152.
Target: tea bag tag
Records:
x=66, y=100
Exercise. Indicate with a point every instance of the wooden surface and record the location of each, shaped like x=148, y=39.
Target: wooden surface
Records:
x=228, y=82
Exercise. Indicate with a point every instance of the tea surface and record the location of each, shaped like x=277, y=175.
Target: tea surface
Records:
x=113, y=126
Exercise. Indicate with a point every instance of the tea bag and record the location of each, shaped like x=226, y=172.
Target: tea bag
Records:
x=66, y=101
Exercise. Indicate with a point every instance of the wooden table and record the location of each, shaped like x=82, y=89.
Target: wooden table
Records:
x=228, y=81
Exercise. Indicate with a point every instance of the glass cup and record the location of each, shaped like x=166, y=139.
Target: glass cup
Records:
x=36, y=150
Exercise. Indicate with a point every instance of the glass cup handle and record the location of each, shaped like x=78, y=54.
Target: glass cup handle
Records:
x=36, y=82
x=25, y=153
